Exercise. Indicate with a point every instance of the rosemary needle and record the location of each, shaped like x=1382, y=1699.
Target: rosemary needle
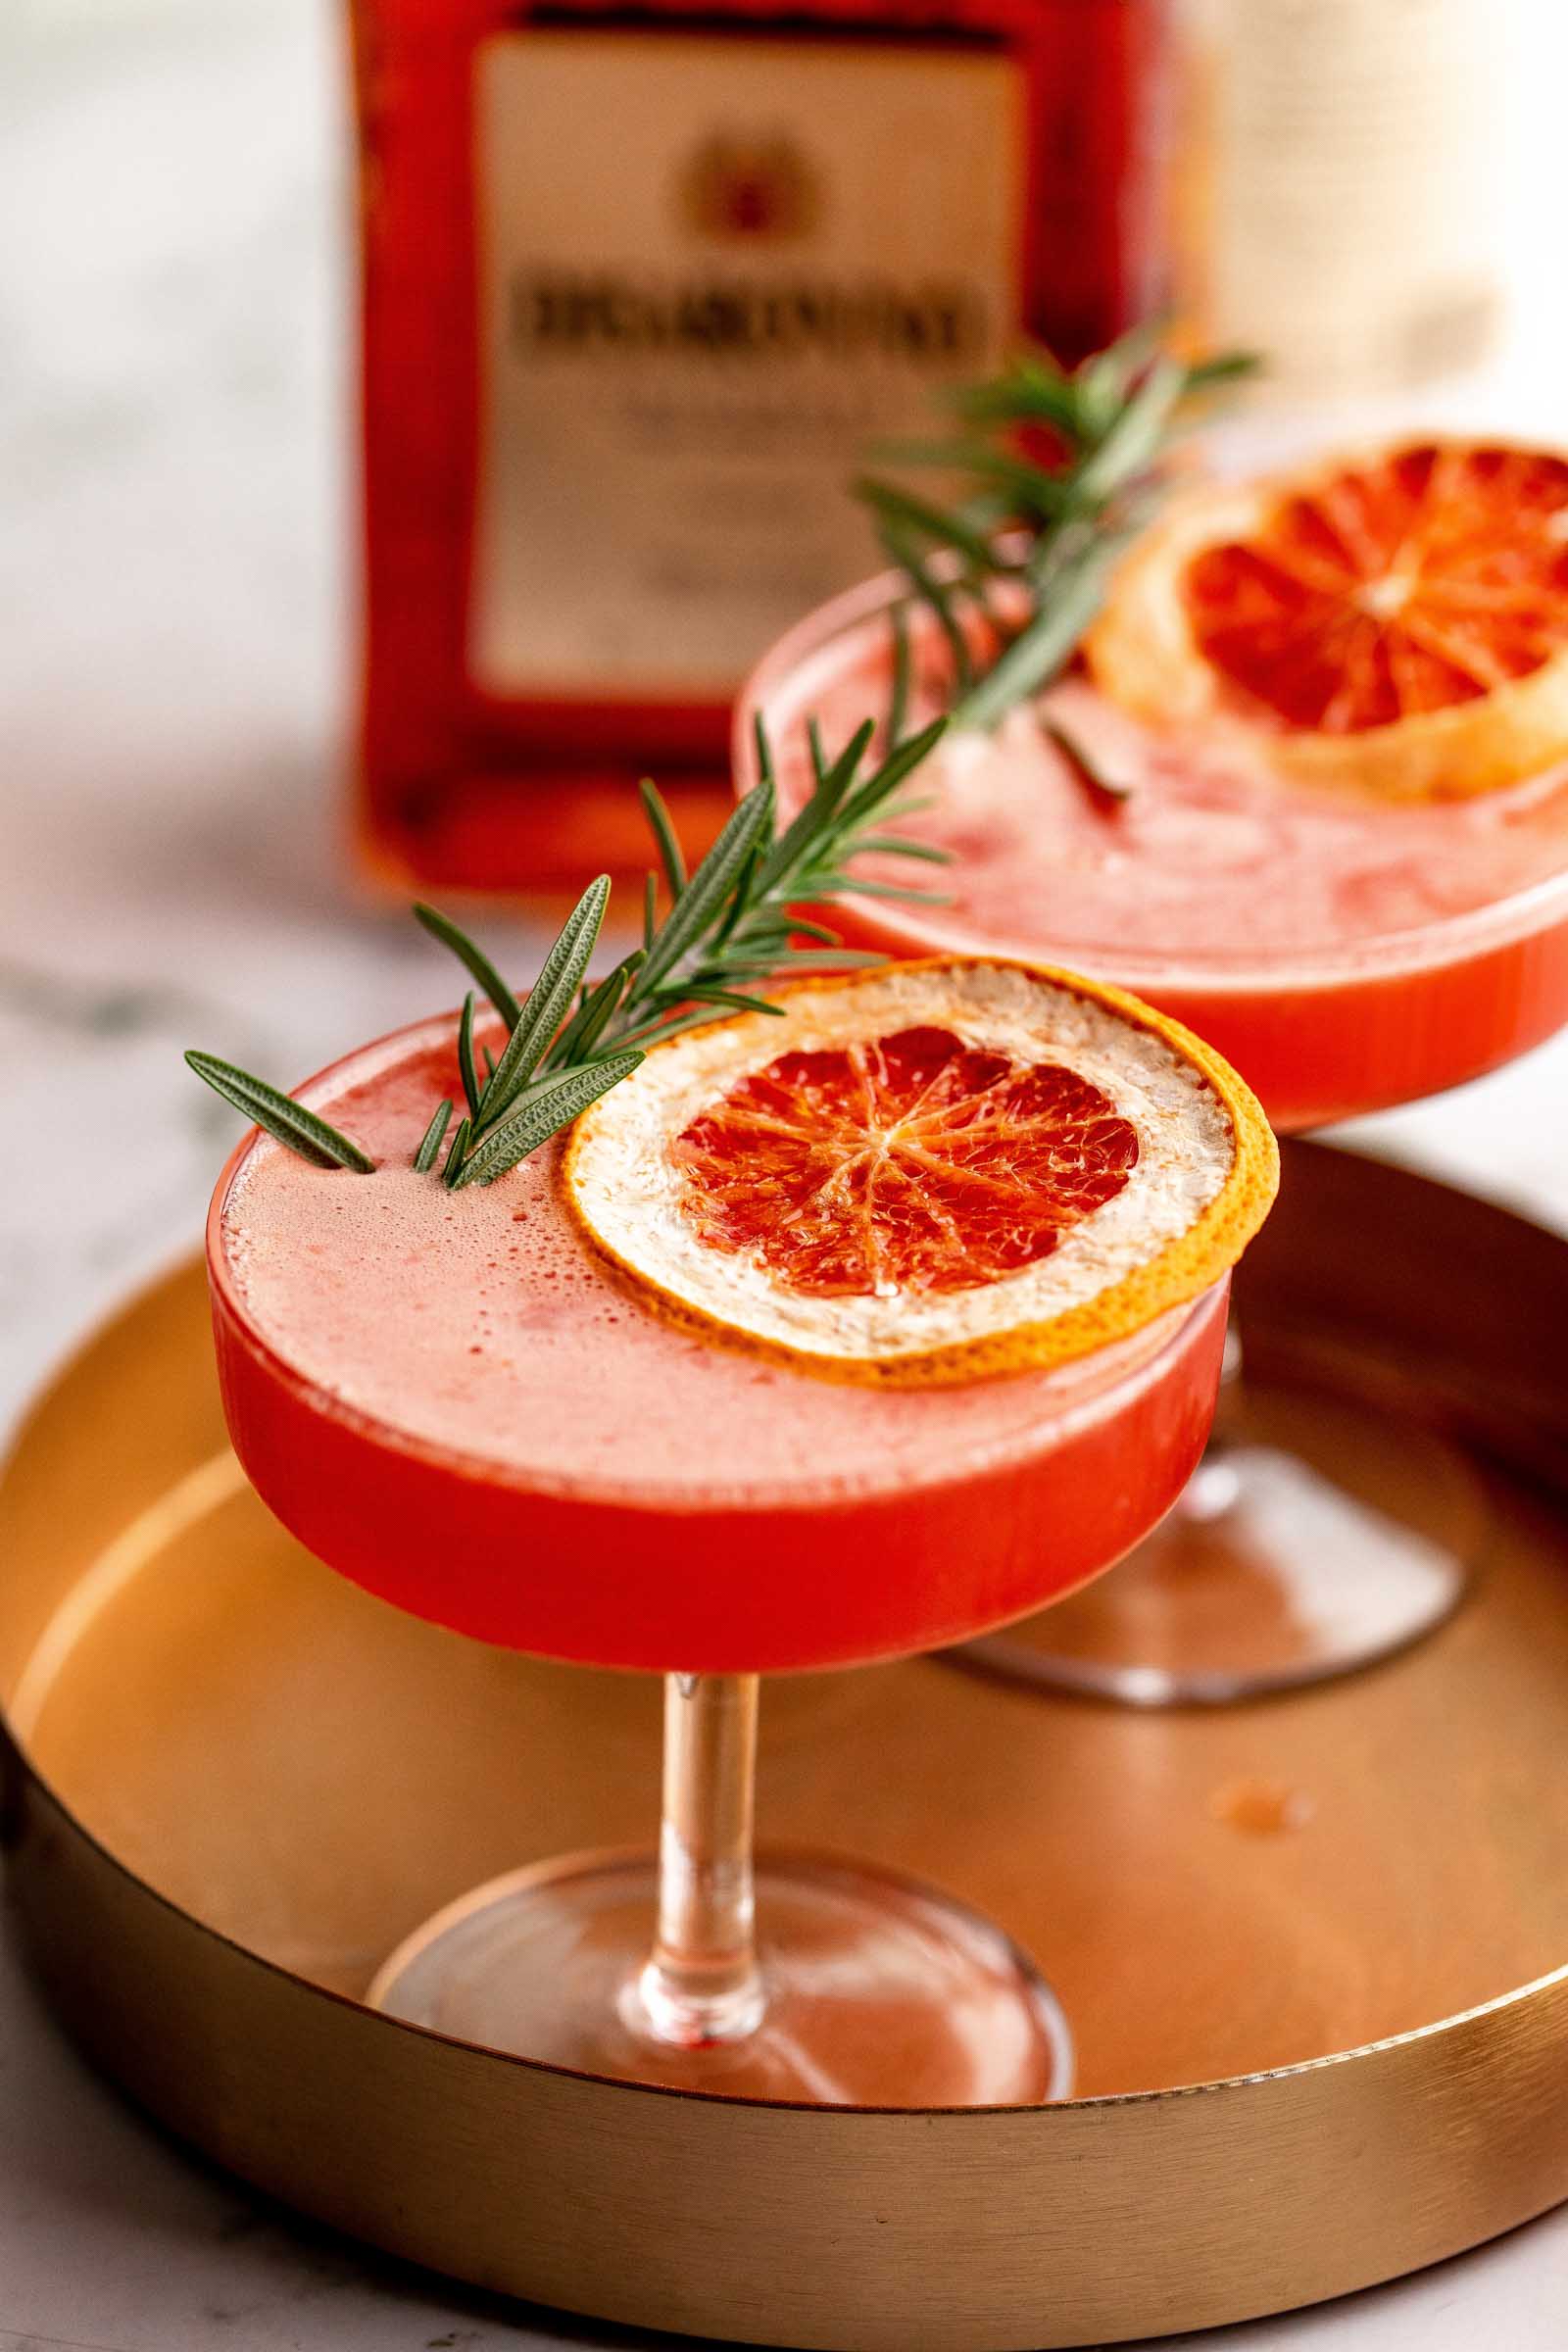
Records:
x=284, y=1119
x=424, y=1157
x=467, y=1070
x=1083, y=761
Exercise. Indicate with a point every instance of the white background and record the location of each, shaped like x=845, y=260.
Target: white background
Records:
x=173, y=421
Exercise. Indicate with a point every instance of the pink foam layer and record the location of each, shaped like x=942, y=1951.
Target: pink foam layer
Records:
x=1207, y=865
x=478, y=1324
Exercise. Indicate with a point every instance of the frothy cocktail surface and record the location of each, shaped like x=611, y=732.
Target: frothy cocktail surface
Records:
x=481, y=1324
x=1206, y=865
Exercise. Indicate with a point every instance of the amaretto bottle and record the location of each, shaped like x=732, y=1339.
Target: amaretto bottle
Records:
x=1341, y=183
x=641, y=284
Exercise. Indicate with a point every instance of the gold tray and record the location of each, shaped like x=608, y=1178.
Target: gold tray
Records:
x=1314, y=2055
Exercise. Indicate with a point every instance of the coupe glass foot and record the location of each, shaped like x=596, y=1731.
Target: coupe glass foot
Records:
x=872, y=1992
x=1318, y=1539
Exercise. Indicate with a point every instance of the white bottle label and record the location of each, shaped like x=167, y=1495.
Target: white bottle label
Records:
x=712, y=270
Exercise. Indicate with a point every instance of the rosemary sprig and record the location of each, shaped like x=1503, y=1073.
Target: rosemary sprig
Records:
x=727, y=929
x=1015, y=568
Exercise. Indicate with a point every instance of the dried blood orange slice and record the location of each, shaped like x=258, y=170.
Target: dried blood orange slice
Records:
x=927, y=1172
x=1396, y=621
x=909, y=1161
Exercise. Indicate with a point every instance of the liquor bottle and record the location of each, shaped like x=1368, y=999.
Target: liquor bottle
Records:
x=642, y=284
x=1342, y=164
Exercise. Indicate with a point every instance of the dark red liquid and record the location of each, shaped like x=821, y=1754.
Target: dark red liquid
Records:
x=450, y=1397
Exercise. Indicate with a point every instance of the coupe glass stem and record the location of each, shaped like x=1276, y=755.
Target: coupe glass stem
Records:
x=702, y=1984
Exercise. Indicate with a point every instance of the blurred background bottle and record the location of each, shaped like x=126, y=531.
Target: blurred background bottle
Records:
x=641, y=284
x=1339, y=185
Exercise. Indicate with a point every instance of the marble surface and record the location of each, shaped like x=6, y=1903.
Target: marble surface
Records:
x=172, y=414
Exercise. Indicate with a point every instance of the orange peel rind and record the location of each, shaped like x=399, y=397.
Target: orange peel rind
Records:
x=1068, y=1167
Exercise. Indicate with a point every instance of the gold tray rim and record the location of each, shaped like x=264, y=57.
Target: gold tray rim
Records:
x=1101, y=2100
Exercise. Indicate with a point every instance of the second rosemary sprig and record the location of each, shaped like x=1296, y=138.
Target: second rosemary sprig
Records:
x=1059, y=469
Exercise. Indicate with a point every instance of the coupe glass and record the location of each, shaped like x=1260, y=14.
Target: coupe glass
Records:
x=812, y=1977
x=1314, y=1539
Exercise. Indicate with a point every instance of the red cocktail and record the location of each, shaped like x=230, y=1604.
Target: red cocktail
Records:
x=1309, y=794
x=738, y=1457
x=1345, y=955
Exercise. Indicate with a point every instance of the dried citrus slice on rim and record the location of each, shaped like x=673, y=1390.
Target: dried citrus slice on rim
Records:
x=927, y=1172
x=1396, y=621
